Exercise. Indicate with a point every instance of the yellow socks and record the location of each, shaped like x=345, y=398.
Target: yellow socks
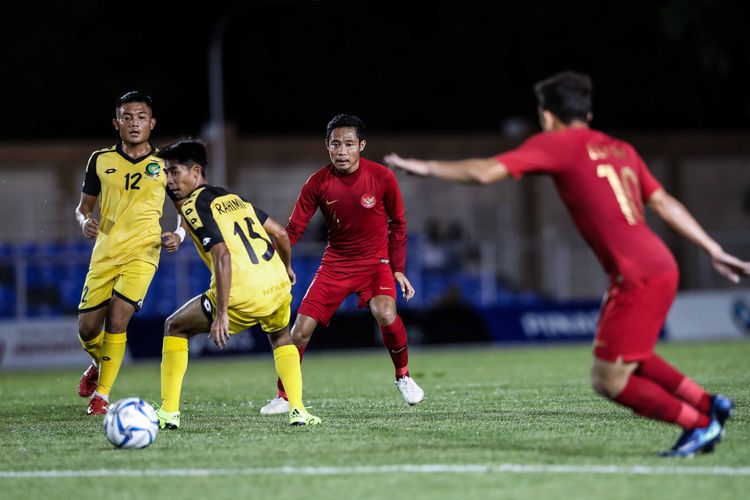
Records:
x=93, y=346
x=112, y=352
x=288, y=368
x=174, y=361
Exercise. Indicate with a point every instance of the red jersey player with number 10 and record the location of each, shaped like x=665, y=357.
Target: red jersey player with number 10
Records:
x=366, y=251
x=604, y=185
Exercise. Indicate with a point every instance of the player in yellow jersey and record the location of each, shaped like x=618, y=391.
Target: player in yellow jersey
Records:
x=249, y=256
x=130, y=183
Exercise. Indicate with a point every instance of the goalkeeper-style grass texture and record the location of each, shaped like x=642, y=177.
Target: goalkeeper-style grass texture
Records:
x=497, y=422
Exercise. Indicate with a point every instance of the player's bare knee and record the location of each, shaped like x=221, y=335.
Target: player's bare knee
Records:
x=301, y=336
x=384, y=314
x=604, y=382
x=88, y=328
x=171, y=326
x=600, y=386
x=280, y=338
x=301, y=332
x=609, y=385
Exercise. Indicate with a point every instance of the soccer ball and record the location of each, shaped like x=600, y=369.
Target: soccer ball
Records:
x=131, y=423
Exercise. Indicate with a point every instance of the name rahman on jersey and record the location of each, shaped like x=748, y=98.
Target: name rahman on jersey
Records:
x=224, y=207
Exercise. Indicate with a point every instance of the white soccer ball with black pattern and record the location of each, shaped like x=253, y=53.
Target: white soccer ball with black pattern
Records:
x=131, y=423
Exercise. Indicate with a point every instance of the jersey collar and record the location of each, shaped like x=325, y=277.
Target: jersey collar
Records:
x=133, y=160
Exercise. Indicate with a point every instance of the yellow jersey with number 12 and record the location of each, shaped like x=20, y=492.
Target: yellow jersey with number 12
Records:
x=132, y=198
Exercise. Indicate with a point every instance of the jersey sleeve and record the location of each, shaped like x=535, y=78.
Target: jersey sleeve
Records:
x=261, y=215
x=202, y=222
x=541, y=153
x=91, y=183
x=307, y=204
x=394, y=209
x=646, y=179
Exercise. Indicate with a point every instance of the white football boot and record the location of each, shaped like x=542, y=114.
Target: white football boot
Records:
x=276, y=406
x=412, y=393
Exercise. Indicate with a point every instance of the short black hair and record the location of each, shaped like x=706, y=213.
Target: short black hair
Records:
x=134, y=96
x=186, y=152
x=349, y=121
x=567, y=95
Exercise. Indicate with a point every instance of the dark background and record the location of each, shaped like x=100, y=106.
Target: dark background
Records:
x=407, y=66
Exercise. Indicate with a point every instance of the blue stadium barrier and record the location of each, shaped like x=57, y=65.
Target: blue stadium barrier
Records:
x=55, y=273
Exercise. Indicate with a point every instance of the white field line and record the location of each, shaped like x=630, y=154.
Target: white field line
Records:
x=389, y=469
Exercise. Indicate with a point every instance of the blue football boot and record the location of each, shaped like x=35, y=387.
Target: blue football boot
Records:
x=722, y=408
x=701, y=440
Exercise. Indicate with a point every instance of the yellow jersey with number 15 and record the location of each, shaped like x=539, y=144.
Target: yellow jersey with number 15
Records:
x=260, y=282
x=132, y=198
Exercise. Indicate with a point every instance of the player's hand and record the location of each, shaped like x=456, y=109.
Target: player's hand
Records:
x=730, y=266
x=220, y=330
x=90, y=227
x=292, y=275
x=417, y=167
x=406, y=289
x=170, y=241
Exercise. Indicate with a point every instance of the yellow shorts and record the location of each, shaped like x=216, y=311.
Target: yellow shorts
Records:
x=240, y=320
x=128, y=281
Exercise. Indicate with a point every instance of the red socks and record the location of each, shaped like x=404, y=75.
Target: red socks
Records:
x=394, y=339
x=651, y=400
x=279, y=385
x=657, y=390
x=658, y=370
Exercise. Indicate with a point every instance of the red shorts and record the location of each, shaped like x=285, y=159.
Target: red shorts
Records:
x=330, y=287
x=632, y=317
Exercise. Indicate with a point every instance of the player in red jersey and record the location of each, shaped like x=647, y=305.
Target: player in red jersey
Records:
x=604, y=185
x=366, y=250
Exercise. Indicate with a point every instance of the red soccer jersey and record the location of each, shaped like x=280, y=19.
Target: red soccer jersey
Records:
x=604, y=184
x=364, y=213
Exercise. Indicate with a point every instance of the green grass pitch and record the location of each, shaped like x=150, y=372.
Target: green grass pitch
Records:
x=499, y=422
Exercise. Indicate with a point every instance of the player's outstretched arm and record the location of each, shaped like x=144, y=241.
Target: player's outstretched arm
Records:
x=84, y=216
x=477, y=170
x=282, y=244
x=681, y=220
x=406, y=289
x=223, y=273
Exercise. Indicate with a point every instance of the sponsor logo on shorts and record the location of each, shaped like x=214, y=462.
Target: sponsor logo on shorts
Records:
x=368, y=200
x=206, y=241
x=331, y=202
x=385, y=288
x=207, y=305
x=139, y=303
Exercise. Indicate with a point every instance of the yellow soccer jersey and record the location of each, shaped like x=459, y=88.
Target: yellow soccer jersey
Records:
x=259, y=277
x=132, y=197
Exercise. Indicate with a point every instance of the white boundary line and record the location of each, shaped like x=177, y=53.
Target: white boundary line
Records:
x=388, y=469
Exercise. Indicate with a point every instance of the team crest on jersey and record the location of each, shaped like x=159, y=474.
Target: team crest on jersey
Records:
x=152, y=169
x=368, y=200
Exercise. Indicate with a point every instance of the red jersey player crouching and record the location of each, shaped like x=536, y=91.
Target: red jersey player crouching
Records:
x=605, y=184
x=366, y=251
